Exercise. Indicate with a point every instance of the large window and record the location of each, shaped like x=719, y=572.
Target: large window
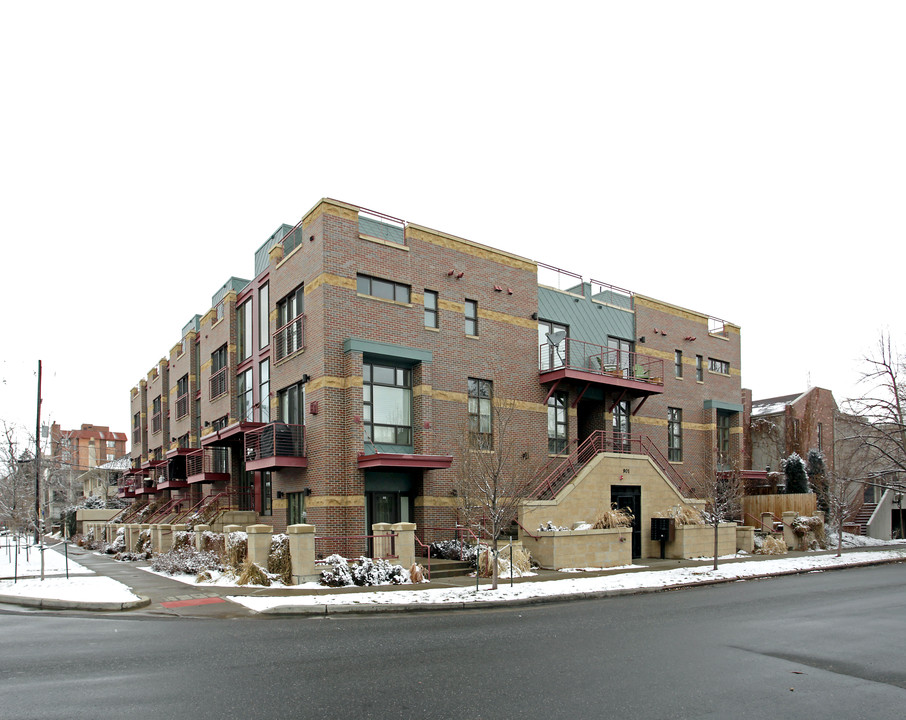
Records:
x=218, y=372
x=619, y=355
x=675, y=434
x=481, y=430
x=245, y=395
x=264, y=336
x=182, y=397
x=292, y=402
x=724, y=420
x=289, y=323
x=384, y=289
x=556, y=423
x=244, y=331
x=264, y=390
x=552, y=355
x=387, y=404
x=718, y=366
x=431, y=312
x=470, y=309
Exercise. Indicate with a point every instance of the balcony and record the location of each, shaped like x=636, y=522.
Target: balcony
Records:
x=289, y=338
x=623, y=371
x=276, y=445
x=210, y=464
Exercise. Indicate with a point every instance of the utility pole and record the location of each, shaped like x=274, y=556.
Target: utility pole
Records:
x=38, y=471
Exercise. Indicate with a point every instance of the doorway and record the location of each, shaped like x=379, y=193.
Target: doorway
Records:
x=630, y=497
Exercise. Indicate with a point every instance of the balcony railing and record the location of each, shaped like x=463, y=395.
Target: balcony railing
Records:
x=290, y=338
x=218, y=383
x=588, y=357
x=275, y=440
x=182, y=406
x=155, y=423
x=203, y=464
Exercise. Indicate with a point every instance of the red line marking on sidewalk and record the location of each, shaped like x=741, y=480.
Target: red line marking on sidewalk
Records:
x=187, y=603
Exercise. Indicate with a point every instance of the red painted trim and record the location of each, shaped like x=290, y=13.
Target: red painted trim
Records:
x=190, y=603
x=280, y=461
x=640, y=387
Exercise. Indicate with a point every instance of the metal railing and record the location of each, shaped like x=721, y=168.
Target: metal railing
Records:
x=275, y=439
x=156, y=422
x=589, y=357
x=218, y=383
x=182, y=406
x=208, y=460
x=289, y=338
x=560, y=471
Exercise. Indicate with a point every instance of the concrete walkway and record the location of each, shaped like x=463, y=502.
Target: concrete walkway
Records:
x=167, y=597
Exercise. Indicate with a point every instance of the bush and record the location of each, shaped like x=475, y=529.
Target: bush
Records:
x=454, y=550
x=186, y=560
x=769, y=545
x=119, y=543
x=364, y=571
x=796, y=476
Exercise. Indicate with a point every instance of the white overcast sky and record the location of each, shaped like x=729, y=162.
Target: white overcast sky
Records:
x=741, y=159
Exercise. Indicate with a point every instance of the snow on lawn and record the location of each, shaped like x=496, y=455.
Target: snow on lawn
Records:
x=29, y=563
x=80, y=589
x=572, y=586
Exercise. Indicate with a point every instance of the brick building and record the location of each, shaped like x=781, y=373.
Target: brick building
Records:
x=336, y=385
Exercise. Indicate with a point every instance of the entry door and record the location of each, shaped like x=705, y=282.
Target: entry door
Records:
x=630, y=496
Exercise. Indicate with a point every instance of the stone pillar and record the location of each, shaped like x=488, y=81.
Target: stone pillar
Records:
x=200, y=530
x=156, y=538
x=789, y=537
x=302, y=553
x=175, y=529
x=767, y=522
x=381, y=544
x=260, y=543
x=745, y=538
x=131, y=536
x=405, y=543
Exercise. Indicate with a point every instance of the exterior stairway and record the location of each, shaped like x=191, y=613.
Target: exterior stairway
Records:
x=864, y=516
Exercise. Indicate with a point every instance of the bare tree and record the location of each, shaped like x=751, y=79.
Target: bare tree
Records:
x=877, y=421
x=723, y=494
x=17, y=480
x=493, y=476
x=842, y=498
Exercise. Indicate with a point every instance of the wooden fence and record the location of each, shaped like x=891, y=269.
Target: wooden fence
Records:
x=753, y=505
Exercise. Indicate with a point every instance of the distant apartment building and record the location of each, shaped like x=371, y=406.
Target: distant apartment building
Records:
x=335, y=386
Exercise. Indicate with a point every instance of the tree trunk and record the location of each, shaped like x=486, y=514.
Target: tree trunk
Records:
x=716, y=525
x=840, y=536
x=494, y=569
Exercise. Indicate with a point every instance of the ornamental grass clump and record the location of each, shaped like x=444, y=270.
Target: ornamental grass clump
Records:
x=237, y=549
x=252, y=574
x=613, y=518
x=279, y=562
x=684, y=515
x=771, y=546
x=522, y=562
x=810, y=531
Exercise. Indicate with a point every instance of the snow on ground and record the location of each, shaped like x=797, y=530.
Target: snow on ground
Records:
x=220, y=579
x=571, y=586
x=80, y=589
x=55, y=584
x=29, y=560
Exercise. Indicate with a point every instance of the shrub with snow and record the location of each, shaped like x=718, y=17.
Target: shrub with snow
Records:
x=454, y=550
x=119, y=543
x=365, y=571
x=550, y=527
x=279, y=562
x=186, y=560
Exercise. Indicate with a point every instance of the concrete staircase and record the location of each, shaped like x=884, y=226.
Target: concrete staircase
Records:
x=446, y=568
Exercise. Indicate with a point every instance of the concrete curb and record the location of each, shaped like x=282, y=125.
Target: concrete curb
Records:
x=55, y=604
x=326, y=609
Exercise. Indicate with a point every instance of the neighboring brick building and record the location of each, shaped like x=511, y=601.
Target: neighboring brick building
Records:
x=796, y=423
x=336, y=386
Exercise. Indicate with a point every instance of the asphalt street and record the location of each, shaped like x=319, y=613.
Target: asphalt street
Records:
x=817, y=645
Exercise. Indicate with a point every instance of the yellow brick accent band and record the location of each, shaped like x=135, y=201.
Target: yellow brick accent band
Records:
x=436, y=501
x=324, y=501
x=451, y=242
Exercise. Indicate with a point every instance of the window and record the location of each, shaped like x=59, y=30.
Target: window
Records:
x=218, y=313
x=621, y=427
x=244, y=331
x=218, y=372
x=470, y=309
x=556, y=423
x=136, y=428
x=480, y=426
x=111, y=444
x=820, y=437
x=431, y=316
x=245, y=396
x=674, y=434
x=183, y=441
x=295, y=508
x=155, y=415
x=718, y=366
x=292, y=404
x=699, y=373
x=384, y=289
x=619, y=356
x=552, y=356
x=678, y=363
x=264, y=336
x=387, y=404
x=182, y=397
x=220, y=456
x=289, y=336
x=267, y=503
x=723, y=437
x=264, y=390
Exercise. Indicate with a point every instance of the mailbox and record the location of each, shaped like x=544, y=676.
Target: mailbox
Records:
x=663, y=529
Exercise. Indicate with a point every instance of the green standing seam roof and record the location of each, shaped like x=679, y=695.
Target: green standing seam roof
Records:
x=587, y=320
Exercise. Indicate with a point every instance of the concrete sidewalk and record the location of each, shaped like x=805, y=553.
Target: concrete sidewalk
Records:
x=162, y=596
